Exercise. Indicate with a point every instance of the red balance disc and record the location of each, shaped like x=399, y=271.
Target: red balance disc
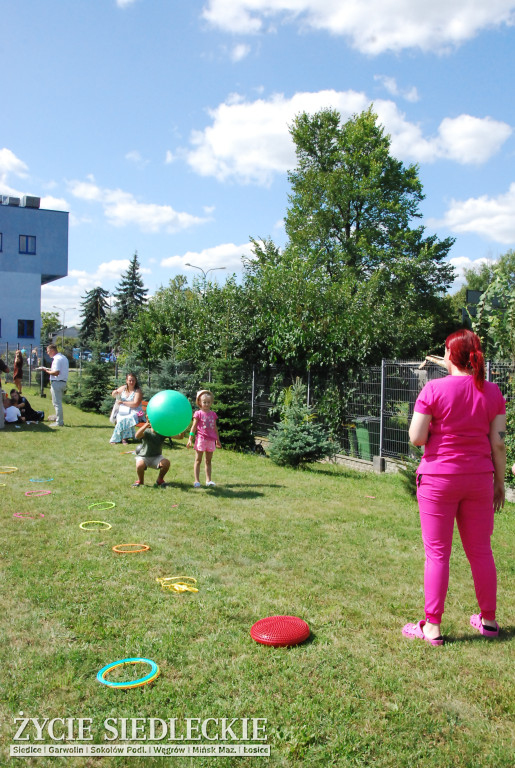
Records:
x=280, y=631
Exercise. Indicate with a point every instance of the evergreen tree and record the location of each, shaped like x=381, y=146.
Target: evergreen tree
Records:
x=232, y=395
x=96, y=380
x=297, y=439
x=130, y=296
x=95, y=323
x=174, y=374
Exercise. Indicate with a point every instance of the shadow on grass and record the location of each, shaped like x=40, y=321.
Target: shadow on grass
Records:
x=33, y=427
x=249, y=485
x=226, y=492
x=506, y=635
x=337, y=471
x=223, y=492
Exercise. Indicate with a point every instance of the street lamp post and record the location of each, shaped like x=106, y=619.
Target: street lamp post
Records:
x=64, y=311
x=204, y=273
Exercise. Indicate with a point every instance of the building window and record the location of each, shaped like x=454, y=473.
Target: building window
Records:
x=25, y=329
x=27, y=244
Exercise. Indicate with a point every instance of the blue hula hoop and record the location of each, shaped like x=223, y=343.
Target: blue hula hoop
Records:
x=154, y=672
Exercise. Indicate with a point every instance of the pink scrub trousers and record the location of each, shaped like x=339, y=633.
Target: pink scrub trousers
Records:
x=469, y=500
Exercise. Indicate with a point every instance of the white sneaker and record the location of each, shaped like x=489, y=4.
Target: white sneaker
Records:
x=210, y=482
x=196, y=485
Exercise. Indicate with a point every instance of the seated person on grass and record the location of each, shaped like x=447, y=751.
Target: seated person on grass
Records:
x=148, y=454
x=12, y=413
x=25, y=407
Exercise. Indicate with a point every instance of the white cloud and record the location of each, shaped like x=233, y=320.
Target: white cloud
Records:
x=248, y=141
x=462, y=263
x=390, y=85
x=490, y=217
x=135, y=157
x=372, y=26
x=239, y=52
x=9, y=163
x=169, y=158
x=54, y=203
x=124, y=3
x=469, y=139
x=227, y=255
x=68, y=292
x=463, y=139
x=121, y=209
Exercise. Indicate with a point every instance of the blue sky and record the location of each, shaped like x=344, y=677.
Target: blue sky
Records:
x=162, y=125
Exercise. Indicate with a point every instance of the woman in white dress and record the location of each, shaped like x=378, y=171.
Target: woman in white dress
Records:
x=129, y=397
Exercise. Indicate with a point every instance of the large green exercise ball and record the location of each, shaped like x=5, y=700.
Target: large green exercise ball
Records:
x=169, y=412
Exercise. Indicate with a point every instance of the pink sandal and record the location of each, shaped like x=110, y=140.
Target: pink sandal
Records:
x=414, y=632
x=477, y=622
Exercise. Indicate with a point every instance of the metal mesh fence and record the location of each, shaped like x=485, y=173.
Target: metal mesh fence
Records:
x=376, y=405
x=32, y=358
x=368, y=415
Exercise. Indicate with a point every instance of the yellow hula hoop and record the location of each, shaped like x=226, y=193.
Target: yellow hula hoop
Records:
x=8, y=470
x=177, y=583
x=97, y=522
x=149, y=678
x=144, y=548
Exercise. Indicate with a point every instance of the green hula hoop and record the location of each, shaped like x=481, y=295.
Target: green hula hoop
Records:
x=98, y=505
x=98, y=522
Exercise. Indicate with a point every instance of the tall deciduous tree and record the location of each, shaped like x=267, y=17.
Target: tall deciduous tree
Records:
x=355, y=282
x=495, y=319
x=94, y=309
x=50, y=323
x=131, y=296
x=352, y=203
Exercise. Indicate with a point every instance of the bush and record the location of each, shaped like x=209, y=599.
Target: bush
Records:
x=297, y=439
x=510, y=441
x=409, y=472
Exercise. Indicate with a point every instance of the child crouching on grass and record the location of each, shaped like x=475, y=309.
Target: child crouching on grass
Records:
x=148, y=454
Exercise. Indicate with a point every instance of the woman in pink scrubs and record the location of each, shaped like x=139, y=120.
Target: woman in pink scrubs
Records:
x=461, y=421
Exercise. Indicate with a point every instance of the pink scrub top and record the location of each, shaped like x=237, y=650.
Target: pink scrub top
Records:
x=460, y=425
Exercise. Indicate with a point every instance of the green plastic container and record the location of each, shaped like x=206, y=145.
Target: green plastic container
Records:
x=367, y=434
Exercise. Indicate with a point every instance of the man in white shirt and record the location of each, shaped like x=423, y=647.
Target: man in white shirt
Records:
x=58, y=377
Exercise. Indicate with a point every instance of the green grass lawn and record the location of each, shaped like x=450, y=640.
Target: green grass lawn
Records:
x=265, y=541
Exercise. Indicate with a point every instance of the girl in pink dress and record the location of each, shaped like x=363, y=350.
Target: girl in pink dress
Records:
x=205, y=432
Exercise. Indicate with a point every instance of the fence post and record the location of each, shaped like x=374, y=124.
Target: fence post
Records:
x=381, y=421
x=488, y=370
x=309, y=384
x=42, y=374
x=253, y=394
